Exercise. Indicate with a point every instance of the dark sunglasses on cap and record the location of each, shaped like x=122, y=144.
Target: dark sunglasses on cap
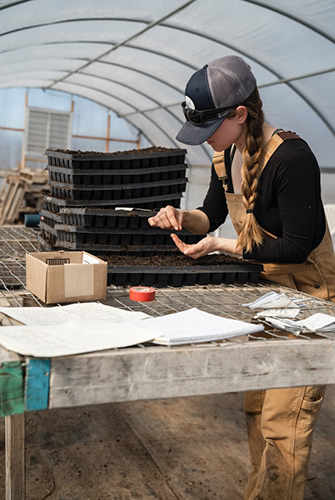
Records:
x=204, y=115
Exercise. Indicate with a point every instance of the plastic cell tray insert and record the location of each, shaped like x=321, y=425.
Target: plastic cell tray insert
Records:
x=107, y=218
x=99, y=236
x=49, y=216
x=177, y=276
x=48, y=234
x=53, y=204
x=118, y=192
x=122, y=160
x=89, y=177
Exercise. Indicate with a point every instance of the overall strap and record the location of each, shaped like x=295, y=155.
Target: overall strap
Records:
x=222, y=162
x=220, y=167
x=277, y=138
x=287, y=134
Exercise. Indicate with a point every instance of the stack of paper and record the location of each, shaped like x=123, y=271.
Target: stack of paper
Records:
x=194, y=326
x=63, y=331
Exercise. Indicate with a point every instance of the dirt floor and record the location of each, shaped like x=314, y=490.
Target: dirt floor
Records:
x=189, y=449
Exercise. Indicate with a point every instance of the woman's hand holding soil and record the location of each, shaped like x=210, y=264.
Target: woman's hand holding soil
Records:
x=207, y=245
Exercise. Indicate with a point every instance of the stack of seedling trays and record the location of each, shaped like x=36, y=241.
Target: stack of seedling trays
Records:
x=148, y=178
x=50, y=216
x=139, y=254
x=84, y=212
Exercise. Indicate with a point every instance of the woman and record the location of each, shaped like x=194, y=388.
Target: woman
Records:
x=268, y=181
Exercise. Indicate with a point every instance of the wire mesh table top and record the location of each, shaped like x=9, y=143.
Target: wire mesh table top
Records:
x=223, y=300
x=226, y=301
x=16, y=241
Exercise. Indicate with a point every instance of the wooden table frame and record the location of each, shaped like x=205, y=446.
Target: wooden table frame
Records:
x=155, y=372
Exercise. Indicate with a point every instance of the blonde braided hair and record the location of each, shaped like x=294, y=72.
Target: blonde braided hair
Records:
x=251, y=233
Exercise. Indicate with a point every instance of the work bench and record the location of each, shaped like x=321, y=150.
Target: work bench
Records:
x=268, y=359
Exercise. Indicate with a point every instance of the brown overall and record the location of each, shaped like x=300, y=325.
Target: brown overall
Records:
x=280, y=421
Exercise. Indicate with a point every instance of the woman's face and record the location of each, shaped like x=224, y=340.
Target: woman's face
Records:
x=231, y=131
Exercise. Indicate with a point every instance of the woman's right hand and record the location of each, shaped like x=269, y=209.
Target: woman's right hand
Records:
x=168, y=218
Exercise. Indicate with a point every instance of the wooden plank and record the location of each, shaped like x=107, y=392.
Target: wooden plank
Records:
x=159, y=372
x=8, y=203
x=3, y=191
x=15, y=470
x=4, y=197
x=13, y=213
x=38, y=176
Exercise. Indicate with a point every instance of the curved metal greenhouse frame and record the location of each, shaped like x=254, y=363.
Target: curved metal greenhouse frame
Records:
x=135, y=58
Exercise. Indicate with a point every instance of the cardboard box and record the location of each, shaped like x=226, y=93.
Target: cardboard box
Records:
x=57, y=277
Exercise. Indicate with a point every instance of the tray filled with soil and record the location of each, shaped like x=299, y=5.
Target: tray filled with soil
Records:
x=89, y=177
x=135, y=158
x=179, y=270
x=127, y=250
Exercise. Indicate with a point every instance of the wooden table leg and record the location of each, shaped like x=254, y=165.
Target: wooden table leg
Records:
x=15, y=470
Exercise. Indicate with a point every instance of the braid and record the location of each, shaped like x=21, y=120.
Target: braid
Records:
x=251, y=233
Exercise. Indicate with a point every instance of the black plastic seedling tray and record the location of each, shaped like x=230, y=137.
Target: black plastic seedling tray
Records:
x=89, y=177
x=123, y=160
x=48, y=234
x=118, y=192
x=110, y=218
x=177, y=276
x=48, y=226
x=149, y=237
x=53, y=204
x=49, y=218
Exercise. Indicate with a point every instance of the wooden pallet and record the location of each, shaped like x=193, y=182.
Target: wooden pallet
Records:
x=22, y=192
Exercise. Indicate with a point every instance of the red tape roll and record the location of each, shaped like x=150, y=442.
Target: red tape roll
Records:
x=142, y=293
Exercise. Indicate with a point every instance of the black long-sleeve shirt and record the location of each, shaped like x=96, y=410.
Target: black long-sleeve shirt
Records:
x=288, y=204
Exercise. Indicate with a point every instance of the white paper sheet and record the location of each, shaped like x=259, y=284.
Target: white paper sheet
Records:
x=61, y=314
x=74, y=337
x=194, y=325
x=319, y=322
x=288, y=325
x=271, y=300
x=278, y=313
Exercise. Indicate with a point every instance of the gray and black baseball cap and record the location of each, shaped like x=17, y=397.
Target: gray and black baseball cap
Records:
x=210, y=95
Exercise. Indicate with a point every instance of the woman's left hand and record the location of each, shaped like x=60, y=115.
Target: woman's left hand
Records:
x=205, y=246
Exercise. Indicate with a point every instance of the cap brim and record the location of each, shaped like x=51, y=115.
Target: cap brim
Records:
x=197, y=134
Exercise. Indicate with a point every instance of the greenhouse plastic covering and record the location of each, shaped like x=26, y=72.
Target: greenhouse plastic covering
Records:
x=134, y=58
